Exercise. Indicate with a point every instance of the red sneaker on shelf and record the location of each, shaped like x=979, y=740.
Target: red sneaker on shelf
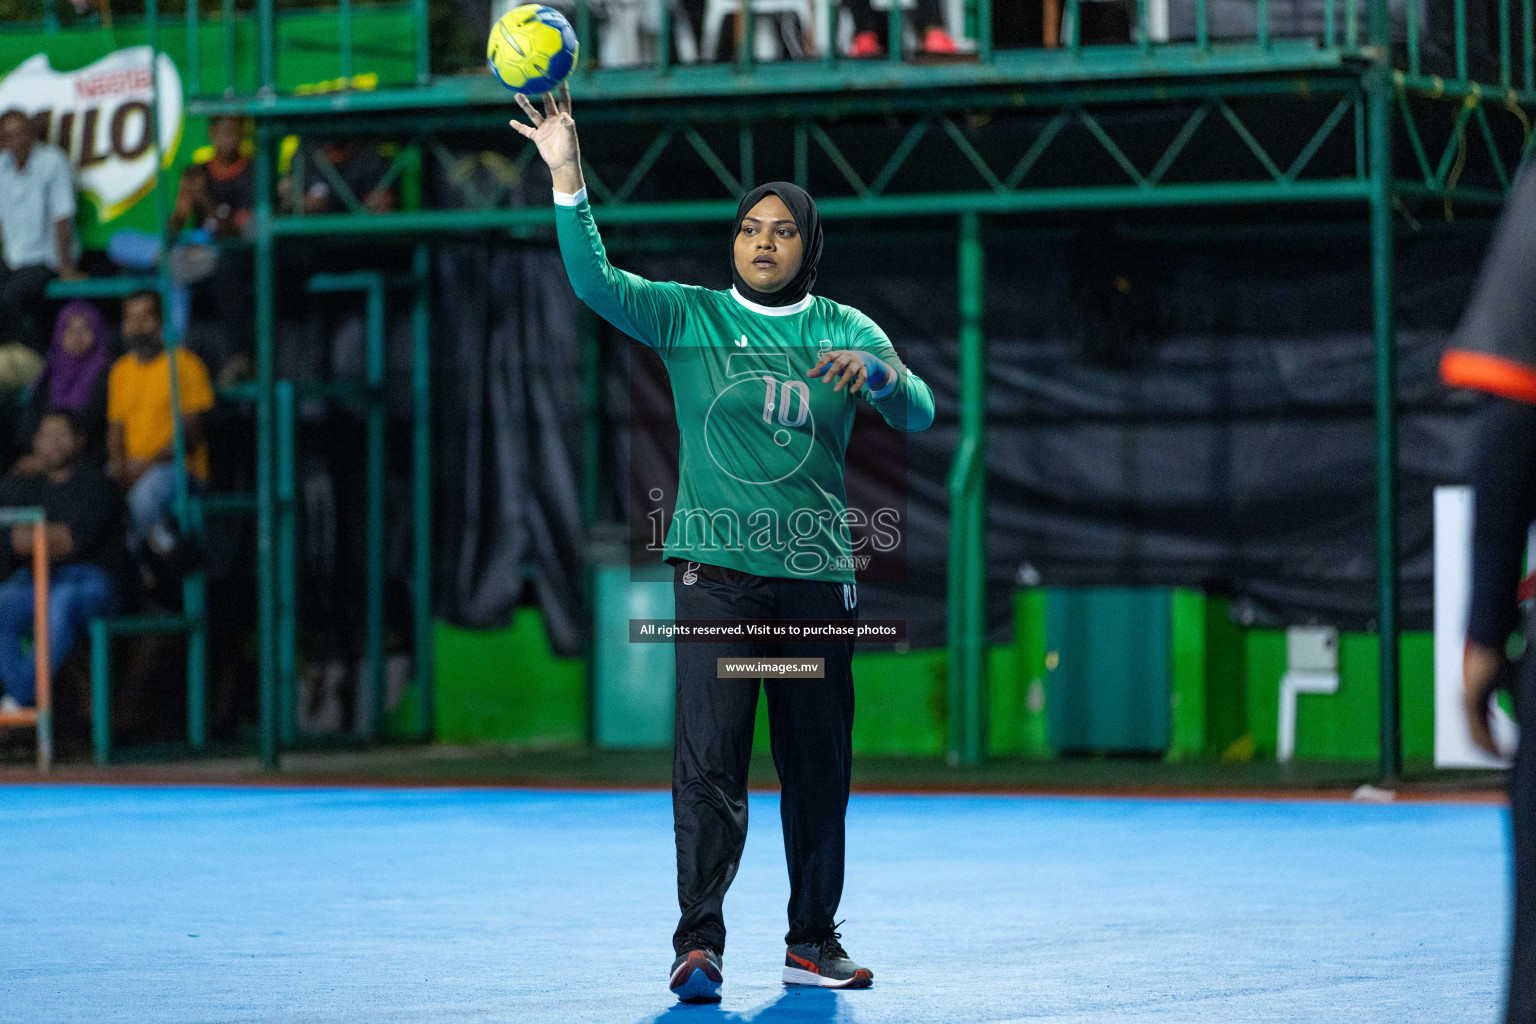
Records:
x=864, y=45
x=936, y=40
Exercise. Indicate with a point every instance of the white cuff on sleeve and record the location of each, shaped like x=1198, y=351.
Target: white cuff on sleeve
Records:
x=570, y=198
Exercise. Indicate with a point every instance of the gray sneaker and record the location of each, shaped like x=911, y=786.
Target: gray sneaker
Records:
x=696, y=976
x=826, y=964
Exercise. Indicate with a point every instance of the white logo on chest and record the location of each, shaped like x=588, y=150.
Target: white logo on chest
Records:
x=741, y=342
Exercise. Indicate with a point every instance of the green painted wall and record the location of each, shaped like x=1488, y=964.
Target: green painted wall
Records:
x=1342, y=726
x=1227, y=691
x=505, y=686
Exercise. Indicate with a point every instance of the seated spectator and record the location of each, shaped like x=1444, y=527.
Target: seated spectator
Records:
x=312, y=187
x=218, y=197
x=74, y=380
x=214, y=203
x=139, y=421
x=84, y=537
x=361, y=168
x=869, y=28
x=37, y=219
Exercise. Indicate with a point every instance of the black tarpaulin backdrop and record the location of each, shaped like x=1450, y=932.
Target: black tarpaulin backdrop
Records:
x=507, y=378
x=1162, y=410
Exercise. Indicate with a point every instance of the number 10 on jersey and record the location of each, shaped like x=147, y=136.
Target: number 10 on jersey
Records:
x=786, y=391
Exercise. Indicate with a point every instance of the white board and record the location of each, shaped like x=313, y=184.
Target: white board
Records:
x=1453, y=591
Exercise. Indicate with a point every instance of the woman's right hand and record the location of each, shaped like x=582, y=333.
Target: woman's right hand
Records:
x=554, y=133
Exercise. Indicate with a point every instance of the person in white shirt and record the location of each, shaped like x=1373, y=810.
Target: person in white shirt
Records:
x=37, y=221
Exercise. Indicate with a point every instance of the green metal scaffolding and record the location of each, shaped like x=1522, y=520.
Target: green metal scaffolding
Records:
x=1344, y=81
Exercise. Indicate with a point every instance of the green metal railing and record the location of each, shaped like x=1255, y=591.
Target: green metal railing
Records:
x=967, y=664
x=1345, y=31
x=274, y=500
x=1350, y=66
x=1346, y=34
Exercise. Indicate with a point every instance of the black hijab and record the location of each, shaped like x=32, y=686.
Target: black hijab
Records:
x=801, y=207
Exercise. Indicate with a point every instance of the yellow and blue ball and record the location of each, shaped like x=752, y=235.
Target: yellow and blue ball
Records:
x=532, y=49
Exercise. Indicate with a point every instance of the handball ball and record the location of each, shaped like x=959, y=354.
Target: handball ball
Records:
x=532, y=48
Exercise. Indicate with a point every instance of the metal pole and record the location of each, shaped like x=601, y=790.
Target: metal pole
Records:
x=1384, y=332
x=344, y=42
x=101, y=692
x=584, y=33
x=1506, y=67
x=1459, y=13
x=833, y=21
x=194, y=606
x=1528, y=49
x=967, y=490
x=265, y=492
x=287, y=559
x=895, y=33
x=984, y=31
x=591, y=487
x=423, y=42
x=955, y=610
x=194, y=50
x=192, y=588
x=168, y=327
x=746, y=37
x=374, y=611
x=664, y=38
x=41, y=653
x=266, y=47
x=227, y=23
x=421, y=486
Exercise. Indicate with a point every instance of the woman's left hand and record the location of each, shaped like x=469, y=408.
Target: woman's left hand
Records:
x=852, y=368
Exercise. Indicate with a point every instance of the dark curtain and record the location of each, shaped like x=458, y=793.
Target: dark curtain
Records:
x=1167, y=412
x=508, y=397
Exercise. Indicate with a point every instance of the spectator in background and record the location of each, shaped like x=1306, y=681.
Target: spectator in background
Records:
x=218, y=199
x=214, y=204
x=73, y=380
x=140, y=455
x=37, y=221
x=361, y=168
x=218, y=196
x=84, y=536
x=869, y=28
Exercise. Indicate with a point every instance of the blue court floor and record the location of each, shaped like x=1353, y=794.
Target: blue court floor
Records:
x=212, y=905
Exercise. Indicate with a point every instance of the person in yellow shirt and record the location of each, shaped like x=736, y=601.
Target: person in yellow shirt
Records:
x=139, y=429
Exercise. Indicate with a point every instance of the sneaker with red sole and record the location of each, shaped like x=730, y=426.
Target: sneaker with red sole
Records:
x=936, y=40
x=825, y=964
x=865, y=45
x=696, y=976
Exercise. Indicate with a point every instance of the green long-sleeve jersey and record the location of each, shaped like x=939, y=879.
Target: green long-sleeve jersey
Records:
x=761, y=469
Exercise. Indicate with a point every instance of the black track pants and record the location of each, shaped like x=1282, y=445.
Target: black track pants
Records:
x=1522, y=819
x=810, y=728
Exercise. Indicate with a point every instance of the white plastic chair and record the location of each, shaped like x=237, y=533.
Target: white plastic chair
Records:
x=625, y=23
x=812, y=15
x=1312, y=662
